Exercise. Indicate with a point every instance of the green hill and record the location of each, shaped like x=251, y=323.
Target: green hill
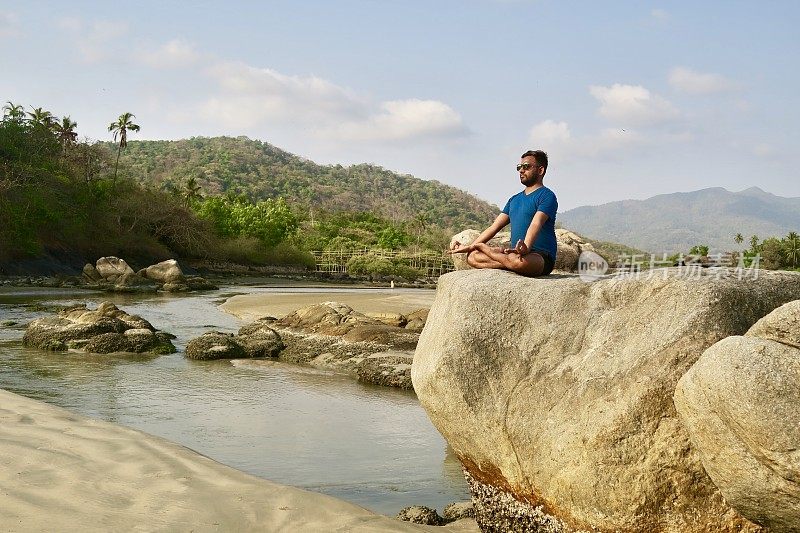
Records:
x=260, y=171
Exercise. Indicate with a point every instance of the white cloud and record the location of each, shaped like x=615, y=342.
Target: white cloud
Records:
x=249, y=97
x=632, y=105
x=173, y=54
x=97, y=40
x=693, y=82
x=9, y=25
x=402, y=120
x=660, y=15
x=549, y=132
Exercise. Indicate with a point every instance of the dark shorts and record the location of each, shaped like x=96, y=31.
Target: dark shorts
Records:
x=549, y=262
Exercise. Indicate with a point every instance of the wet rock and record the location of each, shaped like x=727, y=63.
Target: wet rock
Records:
x=333, y=335
x=253, y=341
x=419, y=514
x=260, y=340
x=103, y=330
x=131, y=282
x=390, y=368
x=214, y=345
x=458, y=510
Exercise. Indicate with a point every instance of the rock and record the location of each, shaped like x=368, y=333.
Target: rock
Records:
x=391, y=369
x=458, y=510
x=740, y=404
x=90, y=273
x=260, y=340
x=196, y=283
x=416, y=320
x=782, y=325
x=214, y=345
x=419, y=514
x=131, y=282
x=165, y=272
x=103, y=330
x=133, y=341
x=111, y=268
x=561, y=412
x=253, y=340
x=390, y=319
x=570, y=245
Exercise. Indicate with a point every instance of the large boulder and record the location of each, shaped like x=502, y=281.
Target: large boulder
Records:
x=570, y=245
x=740, y=404
x=556, y=394
x=165, y=272
x=111, y=268
x=106, y=329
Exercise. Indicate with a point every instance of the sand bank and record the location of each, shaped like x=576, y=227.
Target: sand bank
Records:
x=60, y=471
x=250, y=307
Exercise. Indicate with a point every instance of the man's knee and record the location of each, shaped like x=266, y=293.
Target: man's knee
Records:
x=475, y=259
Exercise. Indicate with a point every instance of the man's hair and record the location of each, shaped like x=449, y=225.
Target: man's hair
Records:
x=539, y=156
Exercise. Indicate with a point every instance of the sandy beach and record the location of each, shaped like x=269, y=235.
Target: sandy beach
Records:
x=60, y=471
x=253, y=306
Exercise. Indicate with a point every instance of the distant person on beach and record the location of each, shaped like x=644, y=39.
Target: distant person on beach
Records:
x=532, y=214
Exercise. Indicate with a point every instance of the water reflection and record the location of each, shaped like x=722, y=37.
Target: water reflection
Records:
x=301, y=426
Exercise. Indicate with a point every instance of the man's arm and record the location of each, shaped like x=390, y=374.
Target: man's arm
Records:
x=499, y=223
x=524, y=247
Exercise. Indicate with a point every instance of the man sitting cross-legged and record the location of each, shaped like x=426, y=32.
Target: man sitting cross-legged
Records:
x=532, y=214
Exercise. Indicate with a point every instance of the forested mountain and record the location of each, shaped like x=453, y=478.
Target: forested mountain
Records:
x=676, y=222
x=260, y=170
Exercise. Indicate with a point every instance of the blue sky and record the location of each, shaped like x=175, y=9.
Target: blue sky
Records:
x=630, y=99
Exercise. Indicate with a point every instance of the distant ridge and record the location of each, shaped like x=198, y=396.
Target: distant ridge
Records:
x=676, y=222
x=261, y=170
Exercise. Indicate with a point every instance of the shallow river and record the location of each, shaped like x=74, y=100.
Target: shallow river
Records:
x=295, y=425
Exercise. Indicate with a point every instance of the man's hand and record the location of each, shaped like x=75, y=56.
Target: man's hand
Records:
x=521, y=249
x=458, y=248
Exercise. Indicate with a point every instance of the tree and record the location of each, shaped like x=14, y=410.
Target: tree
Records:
x=40, y=117
x=65, y=131
x=738, y=239
x=792, y=248
x=191, y=192
x=13, y=112
x=699, y=250
x=754, y=244
x=121, y=128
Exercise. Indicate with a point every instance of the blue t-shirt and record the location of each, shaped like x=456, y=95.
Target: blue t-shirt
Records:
x=521, y=207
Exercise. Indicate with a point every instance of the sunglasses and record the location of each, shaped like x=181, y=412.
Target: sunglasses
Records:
x=526, y=166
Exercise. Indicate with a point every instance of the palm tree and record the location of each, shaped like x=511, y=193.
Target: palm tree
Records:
x=121, y=128
x=754, y=244
x=793, y=248
x=14, y=112
x=191, y=192
x=738, y=239
x=65, y=130
x=40, y=117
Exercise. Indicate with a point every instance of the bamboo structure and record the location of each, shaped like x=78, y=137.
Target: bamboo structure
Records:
x=431, y=264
